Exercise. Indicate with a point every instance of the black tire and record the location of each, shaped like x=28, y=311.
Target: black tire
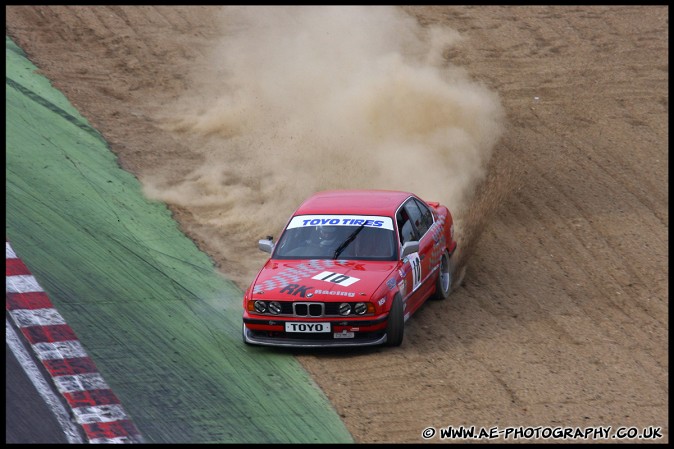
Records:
x=443, y=285
x=395, y=327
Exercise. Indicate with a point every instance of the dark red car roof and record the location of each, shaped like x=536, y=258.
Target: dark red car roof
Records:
x=359, y=202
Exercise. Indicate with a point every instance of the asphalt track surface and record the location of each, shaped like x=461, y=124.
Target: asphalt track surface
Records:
x=25, y=408
x=163, y=327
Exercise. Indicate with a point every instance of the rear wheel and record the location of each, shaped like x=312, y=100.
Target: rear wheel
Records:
x=395, y=327
x=450, y=277
x=443, y=286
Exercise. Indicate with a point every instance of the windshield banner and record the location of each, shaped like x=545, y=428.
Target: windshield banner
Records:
x=373, y=221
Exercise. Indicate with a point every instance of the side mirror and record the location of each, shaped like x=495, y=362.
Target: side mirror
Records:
x=266, y=245
x=408, y=248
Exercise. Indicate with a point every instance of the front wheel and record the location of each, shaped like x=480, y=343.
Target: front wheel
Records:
x=395, y=327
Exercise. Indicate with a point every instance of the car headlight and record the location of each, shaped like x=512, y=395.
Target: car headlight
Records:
x=360, y=308
x=260, y=306
x=275, y=307
x=344, y=308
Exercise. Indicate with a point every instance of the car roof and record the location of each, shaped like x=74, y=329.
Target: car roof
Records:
x=357, y=202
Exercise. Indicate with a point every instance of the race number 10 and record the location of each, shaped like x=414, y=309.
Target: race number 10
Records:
x=336, y=278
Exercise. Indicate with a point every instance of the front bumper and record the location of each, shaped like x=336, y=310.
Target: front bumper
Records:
x=268, y=332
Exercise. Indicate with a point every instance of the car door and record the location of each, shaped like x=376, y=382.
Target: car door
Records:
x=413, y=226
x=422, y=220
x=410, y=271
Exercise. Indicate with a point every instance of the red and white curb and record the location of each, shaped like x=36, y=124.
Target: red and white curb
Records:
x=94, y=406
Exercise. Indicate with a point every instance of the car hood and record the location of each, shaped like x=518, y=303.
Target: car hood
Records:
x=324, y=280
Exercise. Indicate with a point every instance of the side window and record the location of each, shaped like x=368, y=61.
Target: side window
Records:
x=407, y=231
x=416, y=216
x=426, y=217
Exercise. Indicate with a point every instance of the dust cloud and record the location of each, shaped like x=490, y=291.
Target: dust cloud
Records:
x=292, y=100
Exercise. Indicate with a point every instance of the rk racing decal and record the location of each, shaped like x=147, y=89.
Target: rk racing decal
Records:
x=295, y=289
x=336, y=278
x=373, y=221
x=391, y=283
x=294, y=275
x=333, y=292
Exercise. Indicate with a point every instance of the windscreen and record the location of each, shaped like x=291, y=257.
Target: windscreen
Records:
x=344, y=237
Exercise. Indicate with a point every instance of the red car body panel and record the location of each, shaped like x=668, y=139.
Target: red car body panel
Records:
x=311, y=291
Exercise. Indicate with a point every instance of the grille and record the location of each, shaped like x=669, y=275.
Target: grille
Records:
x=309, y=308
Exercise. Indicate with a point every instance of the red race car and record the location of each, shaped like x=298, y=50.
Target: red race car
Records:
x=350, y=267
